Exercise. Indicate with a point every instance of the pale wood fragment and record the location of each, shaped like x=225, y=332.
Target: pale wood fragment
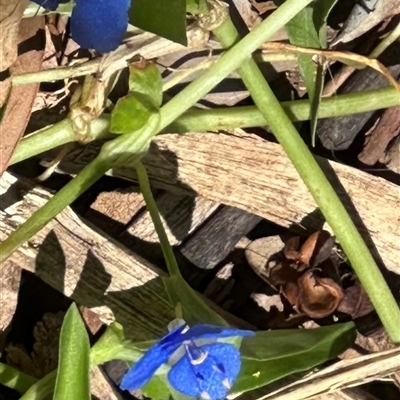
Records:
x=10, y=275
x=181, y=215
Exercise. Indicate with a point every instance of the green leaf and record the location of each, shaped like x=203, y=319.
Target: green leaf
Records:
x=131, y=113
x=322, y=9
x=157, y=388
x=308, y=29
x=272, y=355
x=73, y=374
x=113, y=346
x=164, y=18
x=194, y=309
x=197, y=7
x=146, y=80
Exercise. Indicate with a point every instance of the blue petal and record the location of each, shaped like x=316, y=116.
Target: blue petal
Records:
x=99, y=24
x=143, y=370
x=210, y=379
x=48, y=4
x=214, y=332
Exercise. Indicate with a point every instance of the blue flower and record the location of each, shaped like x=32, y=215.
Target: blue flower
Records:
x=200, y=366
x=96, y=24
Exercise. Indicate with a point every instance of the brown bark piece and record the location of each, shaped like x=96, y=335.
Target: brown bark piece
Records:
x=19, y=104
x=387, y=128
x=245, y=171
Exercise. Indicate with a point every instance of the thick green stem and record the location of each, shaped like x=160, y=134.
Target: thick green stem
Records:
x=198, y=120
x=319, y=187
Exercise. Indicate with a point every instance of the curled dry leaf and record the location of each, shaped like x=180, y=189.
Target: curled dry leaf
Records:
x=318, y=297
x=315, y=250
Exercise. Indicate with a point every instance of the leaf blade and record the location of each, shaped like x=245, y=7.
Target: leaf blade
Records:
x=73, y=374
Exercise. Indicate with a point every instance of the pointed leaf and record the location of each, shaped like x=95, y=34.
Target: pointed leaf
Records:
x=272, y=355
x=145, y=78
x=73, y=378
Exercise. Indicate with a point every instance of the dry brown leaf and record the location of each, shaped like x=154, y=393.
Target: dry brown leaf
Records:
x=318, y=297
x=355, y=302
x=315, y=250
x=10, y=15
x=344, y=57
x=19, y=104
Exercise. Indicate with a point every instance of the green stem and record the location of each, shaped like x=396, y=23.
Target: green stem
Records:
x=198, y=120
x=319, y=187
x=70, y=192
x=15, y=379
x=151, y=205
x=230, y=61
x=112, y=153
x=56, y=135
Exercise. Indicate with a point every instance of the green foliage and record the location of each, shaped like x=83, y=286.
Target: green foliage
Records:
x=157, y=388
x=196, y=6
x=272, y=355
x=73, y=374
x=146, y=80
x=164, y=18
x=193, y=308
x=133, y=111
x=308, y=29
x=15, y=379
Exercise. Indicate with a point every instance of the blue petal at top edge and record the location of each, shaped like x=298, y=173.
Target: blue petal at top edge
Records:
x=99, y=24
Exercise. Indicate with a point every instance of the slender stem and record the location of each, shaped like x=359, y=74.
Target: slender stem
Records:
x=386, y=42
x=198, y=120
x=151, y=205
x=319, y=187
